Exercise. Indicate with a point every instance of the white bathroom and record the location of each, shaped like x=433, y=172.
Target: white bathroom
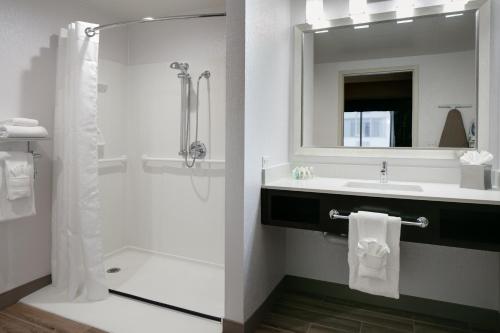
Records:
x=249, y=166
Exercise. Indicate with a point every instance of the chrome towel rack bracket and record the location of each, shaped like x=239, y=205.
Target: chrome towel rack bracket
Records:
x=422, y=222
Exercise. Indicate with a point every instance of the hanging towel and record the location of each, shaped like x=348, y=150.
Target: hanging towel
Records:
x=9, y=131
x=374, y=253
x=17, y=197
x=18, y=176
x=20, y=122
x=454, y=135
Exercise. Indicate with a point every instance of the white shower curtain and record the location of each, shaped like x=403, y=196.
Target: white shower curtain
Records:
x=77, y=255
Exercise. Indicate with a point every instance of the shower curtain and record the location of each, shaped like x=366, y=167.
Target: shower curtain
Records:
x=77, y=255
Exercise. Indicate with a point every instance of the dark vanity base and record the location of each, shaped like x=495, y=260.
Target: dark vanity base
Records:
x=462, y=225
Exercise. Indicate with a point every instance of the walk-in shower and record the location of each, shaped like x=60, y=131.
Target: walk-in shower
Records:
x=163, y=218
x=196, y=149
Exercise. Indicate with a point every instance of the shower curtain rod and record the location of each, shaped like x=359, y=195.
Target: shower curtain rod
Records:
x=90, y=32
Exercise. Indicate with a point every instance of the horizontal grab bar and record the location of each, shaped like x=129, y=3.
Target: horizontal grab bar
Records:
x=120, y=159
x=147, y=158
x=421, y=222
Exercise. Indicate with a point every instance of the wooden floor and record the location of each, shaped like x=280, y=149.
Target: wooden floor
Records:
x=21, y=318
x=306, y=314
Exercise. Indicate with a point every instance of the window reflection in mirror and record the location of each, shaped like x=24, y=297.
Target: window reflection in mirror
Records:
x=391, y=85
x=378, y=110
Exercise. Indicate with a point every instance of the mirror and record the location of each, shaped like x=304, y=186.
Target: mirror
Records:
x=408, y=83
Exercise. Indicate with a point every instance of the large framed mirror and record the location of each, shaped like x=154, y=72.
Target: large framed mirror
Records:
x=392, y=83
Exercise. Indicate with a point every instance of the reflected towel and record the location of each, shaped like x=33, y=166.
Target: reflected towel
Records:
x=454, y=135
x=9, y=131
x=27, y=122
x=24, y=204
x=374, y=253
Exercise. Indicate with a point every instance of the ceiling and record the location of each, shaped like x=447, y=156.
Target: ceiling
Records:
x=426, y=35
x=134, y=9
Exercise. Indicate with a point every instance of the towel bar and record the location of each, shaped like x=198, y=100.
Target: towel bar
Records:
x=421, y=222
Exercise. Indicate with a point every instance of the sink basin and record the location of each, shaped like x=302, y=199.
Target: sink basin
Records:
x=386, y=186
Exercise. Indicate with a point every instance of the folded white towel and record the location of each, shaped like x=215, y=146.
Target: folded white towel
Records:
x=9, y=131
x=20, y=122
x=372, y=256
x=24, y=203
x=374, y=253
x=18, y=177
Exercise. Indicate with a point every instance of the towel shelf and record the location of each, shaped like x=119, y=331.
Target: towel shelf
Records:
x=421, y=222
x=7, y=140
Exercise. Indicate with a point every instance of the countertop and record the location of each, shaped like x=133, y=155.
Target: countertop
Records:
x=430, y=191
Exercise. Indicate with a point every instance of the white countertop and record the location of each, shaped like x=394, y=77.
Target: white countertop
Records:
x=430, y=191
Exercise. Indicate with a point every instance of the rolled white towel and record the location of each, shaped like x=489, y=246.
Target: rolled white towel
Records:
x=8, y=131
x=20, y=122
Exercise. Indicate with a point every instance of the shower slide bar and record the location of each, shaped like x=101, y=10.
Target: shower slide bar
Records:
x=421, y=222
x=91, y=32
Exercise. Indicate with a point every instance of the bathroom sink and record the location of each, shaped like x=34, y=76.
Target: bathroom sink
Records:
x=385, y=186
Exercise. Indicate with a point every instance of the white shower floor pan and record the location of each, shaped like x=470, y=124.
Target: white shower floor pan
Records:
x=176, y=281
x=121, y=315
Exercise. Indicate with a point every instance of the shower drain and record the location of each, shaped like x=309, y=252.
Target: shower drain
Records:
x=113, y=270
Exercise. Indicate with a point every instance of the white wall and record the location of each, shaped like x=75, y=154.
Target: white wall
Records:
x=28, y=31
x=169, y=208
x=257, y=125
x=442, y=79
x=112, y=122
x=267, y=95
x=235, y=164
x=176, y=210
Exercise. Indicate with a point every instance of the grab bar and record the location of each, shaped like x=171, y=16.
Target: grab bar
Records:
x=120, y=159
x=147, y=158
x=421, y=222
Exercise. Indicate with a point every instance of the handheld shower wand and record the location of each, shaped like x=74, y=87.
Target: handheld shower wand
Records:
x=196, y=149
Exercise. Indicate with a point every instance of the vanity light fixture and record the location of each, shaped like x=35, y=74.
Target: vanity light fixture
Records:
x=315, y=14
x=455, y=5
x=321, y=31
x=454, y=15
x=404, y=21
x=405, y=8
x=148, y=18
x=363, y=26
x=358, y=11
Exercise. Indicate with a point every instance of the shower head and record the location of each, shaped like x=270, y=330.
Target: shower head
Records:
x=205, y=74
x=181, y=66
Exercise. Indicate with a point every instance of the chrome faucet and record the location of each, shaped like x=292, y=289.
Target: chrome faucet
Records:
x=383, y=173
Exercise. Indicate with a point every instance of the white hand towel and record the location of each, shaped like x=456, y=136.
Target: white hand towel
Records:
x=20, y=122
x=24, y=204
x=18, y=177
x=372, y=256
x=8, y=131
x=374, y=253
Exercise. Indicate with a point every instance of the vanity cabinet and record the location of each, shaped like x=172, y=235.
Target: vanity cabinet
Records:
x=466, y=225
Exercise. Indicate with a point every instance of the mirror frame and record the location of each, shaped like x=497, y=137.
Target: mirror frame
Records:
x=317, y=154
